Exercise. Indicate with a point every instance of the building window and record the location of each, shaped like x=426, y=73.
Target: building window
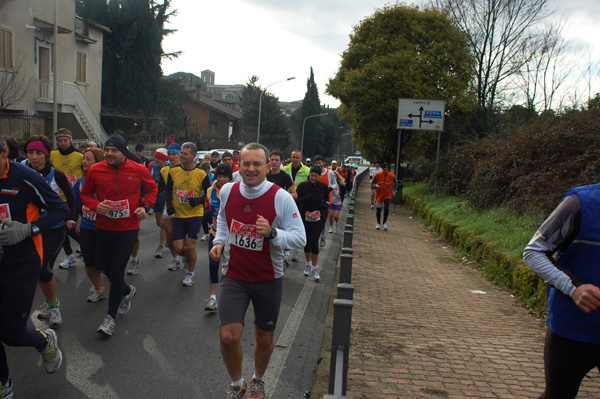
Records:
x=81, y=67
x=6, y=56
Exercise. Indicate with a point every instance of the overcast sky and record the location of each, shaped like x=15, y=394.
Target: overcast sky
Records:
x=278, y=39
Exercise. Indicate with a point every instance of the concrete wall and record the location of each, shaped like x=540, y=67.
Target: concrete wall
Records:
x=15, y=15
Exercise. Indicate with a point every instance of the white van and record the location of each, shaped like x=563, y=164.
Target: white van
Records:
x=354, y=161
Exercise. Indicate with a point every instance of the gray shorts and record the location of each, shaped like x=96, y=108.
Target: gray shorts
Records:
x=236, y=295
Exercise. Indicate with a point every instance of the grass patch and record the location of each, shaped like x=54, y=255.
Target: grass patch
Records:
x=502, y=228
x=494, y=238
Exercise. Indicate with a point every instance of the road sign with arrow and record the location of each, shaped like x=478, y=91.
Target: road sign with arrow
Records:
x=418, y=114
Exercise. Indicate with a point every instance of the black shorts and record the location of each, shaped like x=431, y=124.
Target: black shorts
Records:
x=236, y=295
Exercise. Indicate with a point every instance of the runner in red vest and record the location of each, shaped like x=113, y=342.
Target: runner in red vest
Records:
x=256, y=222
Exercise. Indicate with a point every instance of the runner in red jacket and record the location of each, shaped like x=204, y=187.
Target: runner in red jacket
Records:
x=116, y=183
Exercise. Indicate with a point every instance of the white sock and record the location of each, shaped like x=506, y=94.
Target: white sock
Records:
x=177, y=258
x=255, y=377
x=309, y=263
x=238, y=383
x=134, y=258
x=213, y=297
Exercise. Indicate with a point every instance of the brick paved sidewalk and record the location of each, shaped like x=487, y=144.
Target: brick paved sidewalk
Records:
x=428, y=326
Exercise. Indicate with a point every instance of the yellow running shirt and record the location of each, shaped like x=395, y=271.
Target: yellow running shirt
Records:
x=186, y=184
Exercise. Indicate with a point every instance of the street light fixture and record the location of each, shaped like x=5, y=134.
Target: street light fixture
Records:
x=260, y=105
x=302, y=142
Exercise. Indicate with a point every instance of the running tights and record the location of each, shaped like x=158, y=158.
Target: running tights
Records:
x=313, y=233
x=16, y=298
x=52, y=242
x=67, y=244
x=386, y=211
x=213, y=265
x=115, y=248
x=566, y=363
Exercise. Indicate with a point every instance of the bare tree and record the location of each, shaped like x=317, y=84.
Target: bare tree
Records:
x=14, y=85
x=497, y=30
x=545, y=68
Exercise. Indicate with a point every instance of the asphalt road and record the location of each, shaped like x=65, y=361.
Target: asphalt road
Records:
x=167, y=346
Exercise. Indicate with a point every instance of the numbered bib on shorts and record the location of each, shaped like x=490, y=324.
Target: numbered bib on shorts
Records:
x=4, y=212
x=245, y=236
x=119, y=209
x=313, y=216
x=378, y=204
x=184, y=196
x=72, y=179
x=88, y=214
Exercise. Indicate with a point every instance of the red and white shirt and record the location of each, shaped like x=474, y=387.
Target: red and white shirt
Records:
x=247, y=256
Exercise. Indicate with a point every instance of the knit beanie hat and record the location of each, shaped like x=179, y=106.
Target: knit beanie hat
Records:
x=224, y=169
x=118, y=141
x=161, y=153
x=175, y=148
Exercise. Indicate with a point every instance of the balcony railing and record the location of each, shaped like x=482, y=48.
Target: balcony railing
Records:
x=81, y=27
x=68, y=94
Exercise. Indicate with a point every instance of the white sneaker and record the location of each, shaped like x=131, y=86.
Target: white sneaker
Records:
x=107, y=327
x=315, y=274
x=51, y=355
x=188, y=281
x=159, y=252
x=331, y=230
x=205, y=237
x=174, y=265
x=385, y=226
x=372, y=206
x=296, y=256
x=211, y=305
x=378, y=227
x=96, y=295
x=133, y=267
x=307, y=269
x=286, y=258
x=322, y=242
x=337, y=227
x=70, y=261
x=125, y=304
x=53, y=315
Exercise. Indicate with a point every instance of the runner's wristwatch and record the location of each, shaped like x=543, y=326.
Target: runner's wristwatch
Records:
x=273, y=233
x=35, y=230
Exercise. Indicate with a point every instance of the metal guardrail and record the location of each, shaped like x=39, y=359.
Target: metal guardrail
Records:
x=342, y=307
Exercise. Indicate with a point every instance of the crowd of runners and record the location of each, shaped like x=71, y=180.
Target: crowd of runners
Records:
x=96, y=197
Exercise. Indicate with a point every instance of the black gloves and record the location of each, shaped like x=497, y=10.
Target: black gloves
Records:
x=196, y=201
x=170, y=210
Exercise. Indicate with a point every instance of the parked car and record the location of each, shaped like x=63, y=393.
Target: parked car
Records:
x=353, y=161
x=200, y=154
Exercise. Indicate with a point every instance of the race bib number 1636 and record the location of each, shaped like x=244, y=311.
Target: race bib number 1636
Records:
x=245, y=236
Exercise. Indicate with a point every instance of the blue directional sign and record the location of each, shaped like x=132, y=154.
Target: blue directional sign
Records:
x=417, y=114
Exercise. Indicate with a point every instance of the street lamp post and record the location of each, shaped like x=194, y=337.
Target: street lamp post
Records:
x=260, y=105
x=302, y=141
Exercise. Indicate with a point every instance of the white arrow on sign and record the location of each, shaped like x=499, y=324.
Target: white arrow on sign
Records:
x=416, y=114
